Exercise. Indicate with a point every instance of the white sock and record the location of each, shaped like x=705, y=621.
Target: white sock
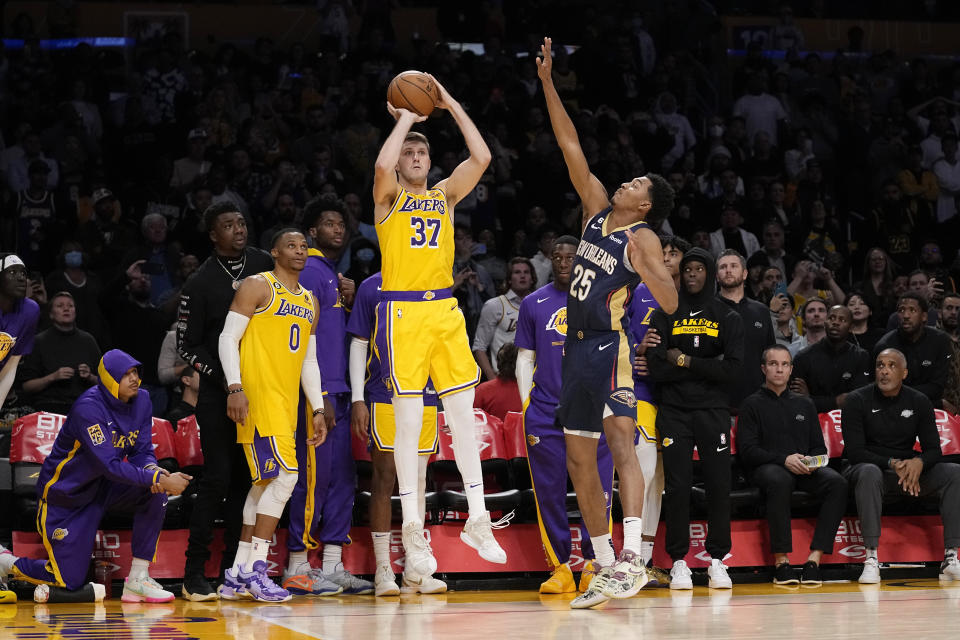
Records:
x=381, y=547
x=603, y=550
x=422, y=487
x=258, y=552
x=872, y=553
x=243, y=550
x=459, y=411
x=138, y=568
x=632, y=534
x=646, y=551
x=408, y=419
x=332, y=557
x=296, y=560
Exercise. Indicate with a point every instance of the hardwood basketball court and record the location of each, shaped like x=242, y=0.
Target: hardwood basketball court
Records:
x=895, y=609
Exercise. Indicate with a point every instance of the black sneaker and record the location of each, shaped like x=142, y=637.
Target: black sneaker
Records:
x=810, y=574
x=785, y=574
x=197, y=589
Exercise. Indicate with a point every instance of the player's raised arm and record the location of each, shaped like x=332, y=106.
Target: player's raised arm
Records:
x=254, y=293
x=468, y=173
x=591, y=191
x=646, y=258
x=385, y=185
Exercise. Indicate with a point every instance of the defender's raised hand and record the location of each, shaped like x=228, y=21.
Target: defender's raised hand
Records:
x=545, y=61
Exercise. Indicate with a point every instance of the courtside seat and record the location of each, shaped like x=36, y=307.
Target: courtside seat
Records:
x=164, y=445
x=493, y=457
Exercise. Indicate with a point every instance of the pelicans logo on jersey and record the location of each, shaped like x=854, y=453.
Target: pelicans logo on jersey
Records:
x=558, y=322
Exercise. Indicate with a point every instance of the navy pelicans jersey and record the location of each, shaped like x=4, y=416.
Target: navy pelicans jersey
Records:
x=602, y=281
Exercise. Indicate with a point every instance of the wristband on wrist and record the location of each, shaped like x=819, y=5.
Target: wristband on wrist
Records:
x=318, y=411
x=233, y=391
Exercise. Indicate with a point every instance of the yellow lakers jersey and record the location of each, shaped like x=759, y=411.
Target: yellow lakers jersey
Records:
x=271, y=355
x=416, y=242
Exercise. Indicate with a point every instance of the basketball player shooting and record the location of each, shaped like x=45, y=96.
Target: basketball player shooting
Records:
x=616, y=251
x=420, y=331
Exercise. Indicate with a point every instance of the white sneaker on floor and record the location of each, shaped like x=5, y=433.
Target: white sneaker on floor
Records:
x=594, y=595
x=478, y=533
x=717, y=574
x=871, y=571
x=385, y=581
x=413, y=583
x=419, y=555
x=144, y=589
x=680, y=576
x=950, y=569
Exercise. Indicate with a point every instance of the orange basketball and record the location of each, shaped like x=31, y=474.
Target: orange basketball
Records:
x=414, y=91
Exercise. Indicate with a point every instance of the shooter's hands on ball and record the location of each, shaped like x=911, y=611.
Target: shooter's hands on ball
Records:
x=399, y=113
x=446, y=100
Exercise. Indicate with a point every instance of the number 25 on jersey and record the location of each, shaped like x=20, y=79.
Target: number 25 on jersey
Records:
x=581, y=282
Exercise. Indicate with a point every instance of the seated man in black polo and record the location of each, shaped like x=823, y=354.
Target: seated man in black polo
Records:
x=828, y=370
x=778, y=437
x=881, y=423
x=926, y=349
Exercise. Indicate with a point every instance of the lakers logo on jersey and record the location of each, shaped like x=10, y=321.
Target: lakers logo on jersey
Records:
x=60, y=534
x=269, y=465
x=558, y=321
x=416, y=243
x=6, y=343
x=96, y=435
x=695, y=326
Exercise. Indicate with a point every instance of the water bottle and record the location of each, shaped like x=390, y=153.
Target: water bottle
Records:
x=102, y=575
x=815, y=462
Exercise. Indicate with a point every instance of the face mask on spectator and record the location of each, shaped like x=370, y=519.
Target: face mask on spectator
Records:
x=716, y=130
x=365, y=255
x=73, y=259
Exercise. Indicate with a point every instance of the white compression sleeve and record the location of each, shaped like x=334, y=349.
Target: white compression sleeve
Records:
x=525, y=360
x=358, y=368
x=310, y=375
x=651, y=465
x=459, y=410
x=228, y=347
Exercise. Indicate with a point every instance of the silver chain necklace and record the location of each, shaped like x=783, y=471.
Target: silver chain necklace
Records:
x=236, y=279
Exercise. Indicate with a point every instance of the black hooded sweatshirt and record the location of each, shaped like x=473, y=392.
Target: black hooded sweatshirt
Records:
x=709, y=332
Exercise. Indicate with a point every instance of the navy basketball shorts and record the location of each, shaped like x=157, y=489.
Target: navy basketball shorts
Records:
x=597, y=381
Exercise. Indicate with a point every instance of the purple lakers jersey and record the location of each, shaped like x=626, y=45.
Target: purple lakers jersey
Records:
x=641, y=309
x=17, y=329
x=319, y=276
x=542, y=327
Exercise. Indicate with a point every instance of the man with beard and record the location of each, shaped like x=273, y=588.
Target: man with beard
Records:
x=701, y=349
x=927, y=350
x=813, y=313
x=949, y=311
x=204, y=303
x=18, y=320
x=498, y=317
x=828, y=370
x=757, y=325
x=322, y=502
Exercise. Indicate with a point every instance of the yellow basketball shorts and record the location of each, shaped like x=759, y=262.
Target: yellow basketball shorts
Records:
x=267, y=455
x=383, y=428
x=427, y=338
x=647, y=421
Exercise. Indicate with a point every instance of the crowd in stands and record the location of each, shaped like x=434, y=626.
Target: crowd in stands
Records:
x=835, y=176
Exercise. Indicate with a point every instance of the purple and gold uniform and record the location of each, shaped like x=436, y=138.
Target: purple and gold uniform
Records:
x=641, y=308
x=17, y=329
x=416, y=240
x=362, y=324
x=598, y=354
x=87, y=475
x=325, y=487
x=542, y=328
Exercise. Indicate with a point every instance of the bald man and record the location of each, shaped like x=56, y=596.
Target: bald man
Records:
x=881, y=422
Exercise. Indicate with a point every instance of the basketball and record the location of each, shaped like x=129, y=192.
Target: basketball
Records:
x=414, y=91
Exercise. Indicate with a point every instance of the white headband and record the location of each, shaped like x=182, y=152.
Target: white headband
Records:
x=11, y=261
